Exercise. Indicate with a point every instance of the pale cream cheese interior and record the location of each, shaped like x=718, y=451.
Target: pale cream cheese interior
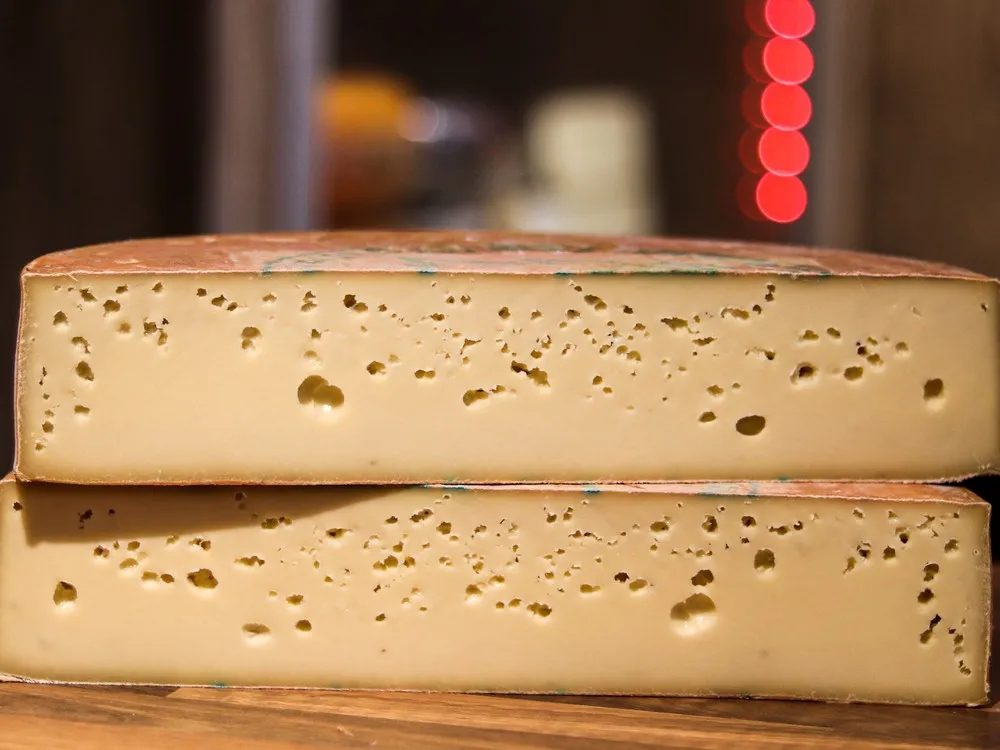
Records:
x=649, y=590
x=406, y=377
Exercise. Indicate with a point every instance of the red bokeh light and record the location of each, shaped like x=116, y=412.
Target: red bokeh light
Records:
x=786, y=107
x=776, y=108
x=783, y=152
x=753, y=60
x=792, y=19
x=781, y=199
x=751, y=101
x=746, y=197
x=749, y=149
x=755, y=17
x=787, y=60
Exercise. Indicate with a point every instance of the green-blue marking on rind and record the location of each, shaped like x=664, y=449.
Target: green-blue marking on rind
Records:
x=219, y=685
x=731, y=488
x=703, y=264
x=591, y=491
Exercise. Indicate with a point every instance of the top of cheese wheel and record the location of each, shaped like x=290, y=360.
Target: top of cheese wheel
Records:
x=907, y=492
x=473, y=252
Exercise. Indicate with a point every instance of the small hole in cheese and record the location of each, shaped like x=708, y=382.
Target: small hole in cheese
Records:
x=203, y=579
x=316, y=391
x=694, y=614
x=751, y=425
x=702, y=578
x=803, y=372
x=540, y=610
x=472, y=396
x=933, y=389
x=65, y=594
x=256, y=629
x=763, y=560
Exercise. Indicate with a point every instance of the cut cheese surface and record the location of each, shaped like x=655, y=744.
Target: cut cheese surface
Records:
x=844, y=593
x=430, y=358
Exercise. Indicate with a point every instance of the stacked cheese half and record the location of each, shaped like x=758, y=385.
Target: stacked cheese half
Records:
x=525, y=464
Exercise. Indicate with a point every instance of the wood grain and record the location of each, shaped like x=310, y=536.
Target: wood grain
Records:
x=92, y=718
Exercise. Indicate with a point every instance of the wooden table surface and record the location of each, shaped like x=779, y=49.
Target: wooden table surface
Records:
x=91, y=718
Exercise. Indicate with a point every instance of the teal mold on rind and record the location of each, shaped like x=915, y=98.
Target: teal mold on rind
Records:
x=500, y=246
x=730, y=488
x=219, y=685
x=704, y=264
x=591, y=491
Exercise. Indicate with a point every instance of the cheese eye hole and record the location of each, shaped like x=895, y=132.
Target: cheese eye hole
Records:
x=315, y=390
x=752, y=425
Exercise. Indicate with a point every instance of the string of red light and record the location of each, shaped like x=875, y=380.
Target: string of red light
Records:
x=776, y=108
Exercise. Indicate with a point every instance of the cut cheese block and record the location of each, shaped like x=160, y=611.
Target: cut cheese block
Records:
x=436, y=358
x=834, y=592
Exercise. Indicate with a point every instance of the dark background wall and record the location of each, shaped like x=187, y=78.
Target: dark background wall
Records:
x=100, y=134
x=104, y=113
x=933, y=183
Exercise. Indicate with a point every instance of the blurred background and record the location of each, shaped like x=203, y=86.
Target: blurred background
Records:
x=869, y=124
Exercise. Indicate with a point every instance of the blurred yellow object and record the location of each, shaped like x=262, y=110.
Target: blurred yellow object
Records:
x=368, y=163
